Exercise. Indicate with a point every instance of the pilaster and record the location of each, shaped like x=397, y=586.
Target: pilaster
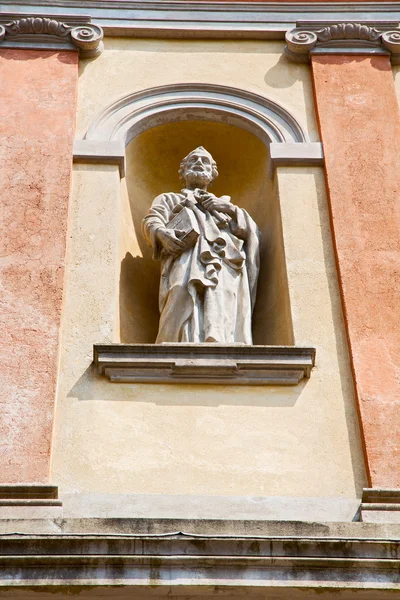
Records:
x=359, y=124
x=39, y=74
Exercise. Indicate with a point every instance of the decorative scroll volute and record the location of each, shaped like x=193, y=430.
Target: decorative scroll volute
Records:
x=299, y=44
x=391, y=41
x=87, y=38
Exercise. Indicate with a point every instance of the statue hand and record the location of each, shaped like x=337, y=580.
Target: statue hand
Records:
x=223, y=205
x=170, y=242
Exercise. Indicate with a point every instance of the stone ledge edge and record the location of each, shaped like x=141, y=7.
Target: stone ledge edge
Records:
x=380, y=505
x=28, y=491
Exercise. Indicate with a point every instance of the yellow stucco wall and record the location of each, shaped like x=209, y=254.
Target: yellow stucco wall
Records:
x=128, y=66
x=243, y=441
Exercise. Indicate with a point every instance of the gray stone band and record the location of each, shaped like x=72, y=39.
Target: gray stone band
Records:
x=237, y=20
x=245, y=557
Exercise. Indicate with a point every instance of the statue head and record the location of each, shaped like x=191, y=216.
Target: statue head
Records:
x=198, y=168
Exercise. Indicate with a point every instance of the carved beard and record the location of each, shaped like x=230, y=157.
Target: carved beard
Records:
x=198, y=178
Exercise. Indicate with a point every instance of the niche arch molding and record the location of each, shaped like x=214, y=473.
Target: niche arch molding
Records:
x=121, y=121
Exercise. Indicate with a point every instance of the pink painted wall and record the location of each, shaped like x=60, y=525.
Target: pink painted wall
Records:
x=37, y=114
x=360, y=129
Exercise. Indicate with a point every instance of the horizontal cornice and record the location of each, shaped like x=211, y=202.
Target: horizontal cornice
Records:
x=180, y=562
x=230, y=20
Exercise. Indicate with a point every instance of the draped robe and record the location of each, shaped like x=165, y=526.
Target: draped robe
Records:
x=207, y=293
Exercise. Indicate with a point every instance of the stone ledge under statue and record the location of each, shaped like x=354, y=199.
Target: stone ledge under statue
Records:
x=237, y=364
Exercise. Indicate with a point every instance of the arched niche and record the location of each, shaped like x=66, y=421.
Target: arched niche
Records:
x=150, y=131
x=152, y=162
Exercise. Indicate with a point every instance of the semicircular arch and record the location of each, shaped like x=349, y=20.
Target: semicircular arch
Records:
x=129, y=116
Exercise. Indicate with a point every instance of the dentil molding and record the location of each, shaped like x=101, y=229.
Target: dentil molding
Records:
x=342, y=38
x=48, y=32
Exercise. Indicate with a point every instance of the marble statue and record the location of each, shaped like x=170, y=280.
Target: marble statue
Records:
x=209, y=252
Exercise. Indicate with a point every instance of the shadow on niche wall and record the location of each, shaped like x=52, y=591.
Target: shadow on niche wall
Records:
x=152, y=163
x=90, y=387
x=137, y=300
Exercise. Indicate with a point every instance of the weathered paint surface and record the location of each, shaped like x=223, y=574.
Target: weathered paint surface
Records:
x=37, y=112
x=360, y=129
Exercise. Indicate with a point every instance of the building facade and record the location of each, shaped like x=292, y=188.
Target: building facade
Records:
x=130, y=468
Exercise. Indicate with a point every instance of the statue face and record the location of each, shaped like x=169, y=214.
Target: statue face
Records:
x=198, y=169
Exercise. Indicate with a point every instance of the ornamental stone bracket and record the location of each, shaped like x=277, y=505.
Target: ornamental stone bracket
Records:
x=343, y=38
x=48, y=32
x=235, y=364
